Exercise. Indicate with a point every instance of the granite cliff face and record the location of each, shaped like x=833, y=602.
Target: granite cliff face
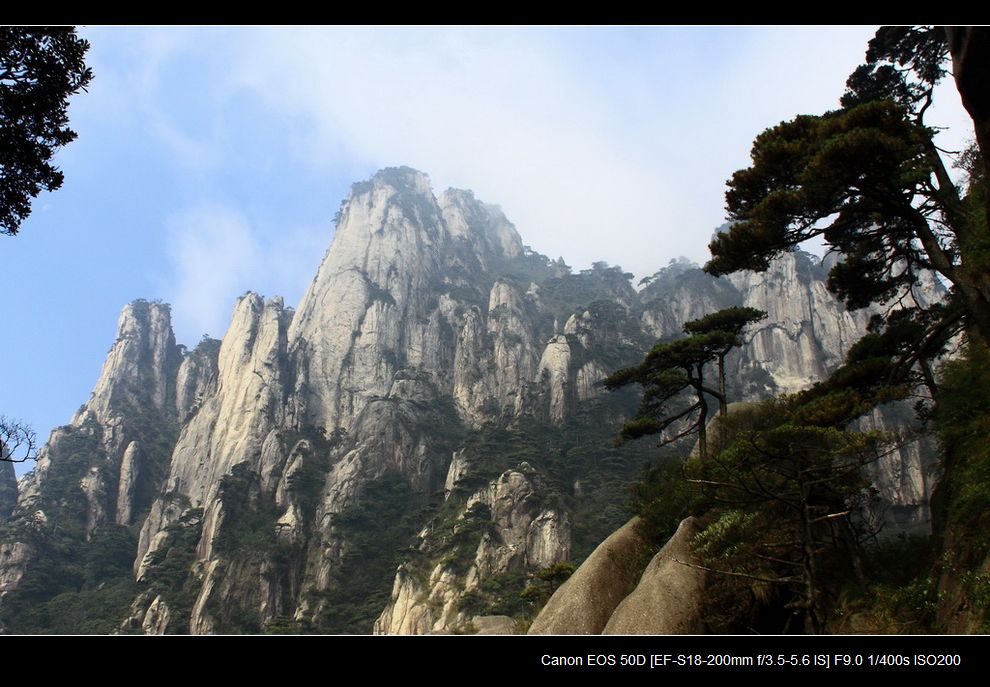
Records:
x=8, y=490
x=130, y=418
x=519, y=532
x=405, y=450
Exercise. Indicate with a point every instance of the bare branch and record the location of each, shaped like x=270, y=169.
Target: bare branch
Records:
x=772, y=580
x=830, y=516
x=18, y=442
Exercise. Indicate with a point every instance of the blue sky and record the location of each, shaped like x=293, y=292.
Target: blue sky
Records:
x=211, y=160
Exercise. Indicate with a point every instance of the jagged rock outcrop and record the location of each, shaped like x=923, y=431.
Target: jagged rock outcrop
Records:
x=406, y=613
x=232, y=425
x=512, y=361
x=526, y=534
x=470, y=370
x=156, y=618
x=492, y=238
x=94, y=486
x=196, y=377
x=132, y=404
x=374, y=305
x=130, y=466
x=681, y=292
x=807, y=331
x=905, y=476
x=139, y=369
x=805, y=335
x=519, y=533
x=457, y=470
x=586, y=601
x=392, y=436
x=588, y=380
x=554, y=369
x=14, y=558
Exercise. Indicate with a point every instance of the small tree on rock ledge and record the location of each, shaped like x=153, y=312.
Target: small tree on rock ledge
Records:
x=671, y=369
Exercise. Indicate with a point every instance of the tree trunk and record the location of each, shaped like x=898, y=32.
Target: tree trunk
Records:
x=970, y=50
x=810, y=568
x=975, y=288
x=723, y=406
x=702, y=418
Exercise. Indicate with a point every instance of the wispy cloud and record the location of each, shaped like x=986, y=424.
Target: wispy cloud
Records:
x=620, y=154
x=216, y=254
x=501, y=113
x=600, y=144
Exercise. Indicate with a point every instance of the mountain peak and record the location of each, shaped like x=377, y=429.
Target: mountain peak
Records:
x=402, y=179
x=138, y=365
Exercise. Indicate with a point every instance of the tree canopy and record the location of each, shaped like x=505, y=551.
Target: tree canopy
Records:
x=40, y=67
x=869, y=180
x=731, y=321
x=787, y=503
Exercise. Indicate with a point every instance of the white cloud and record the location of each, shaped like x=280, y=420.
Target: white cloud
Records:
x=621, y=156
x=217, y=253
x=215, y=257
x=498, y=112
x=624, y=160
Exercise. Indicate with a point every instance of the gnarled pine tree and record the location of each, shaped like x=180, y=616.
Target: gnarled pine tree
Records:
x=670, y=369
x=869, y=180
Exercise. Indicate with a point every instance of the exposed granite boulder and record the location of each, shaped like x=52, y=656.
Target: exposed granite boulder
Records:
x=494, y=625
x=586, y=601
x=668, y=598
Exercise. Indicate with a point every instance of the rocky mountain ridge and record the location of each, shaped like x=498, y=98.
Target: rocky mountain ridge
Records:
x=400, y=454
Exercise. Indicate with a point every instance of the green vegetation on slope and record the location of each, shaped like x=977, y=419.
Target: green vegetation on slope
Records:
x=963, y=501
x=72, y=585
x=376, y=531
